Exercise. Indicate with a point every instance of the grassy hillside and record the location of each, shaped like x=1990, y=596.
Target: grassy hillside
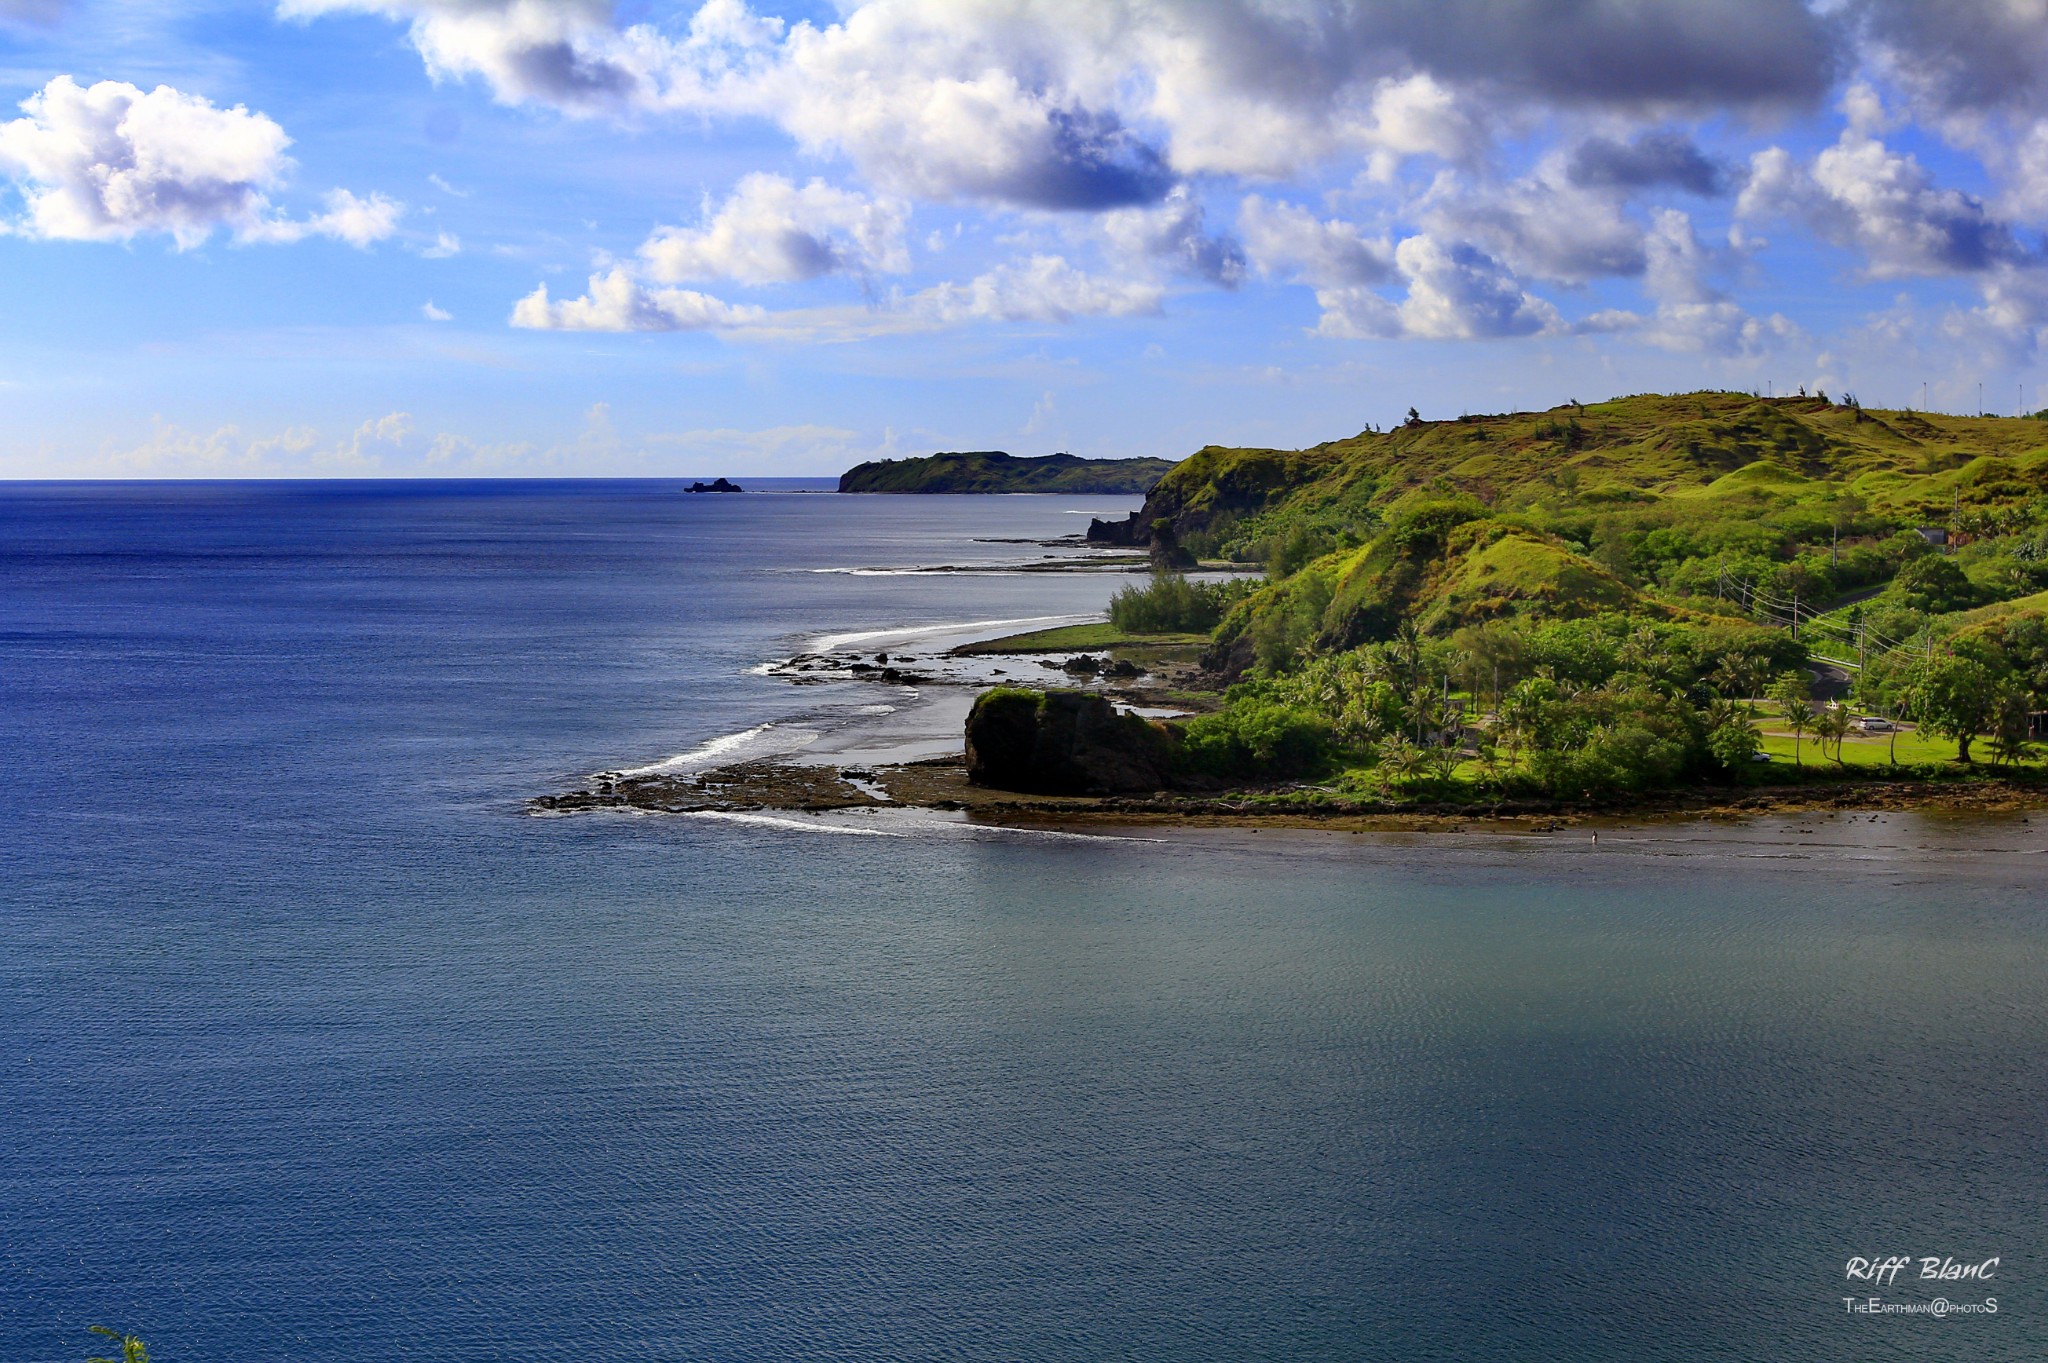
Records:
x=1576, y=597
x=995, y=471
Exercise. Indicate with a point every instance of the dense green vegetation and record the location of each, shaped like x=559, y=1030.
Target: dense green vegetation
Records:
x=995, y=471
x=1171, y=604
x=1598, y=597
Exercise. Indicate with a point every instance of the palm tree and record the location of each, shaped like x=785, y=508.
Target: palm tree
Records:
x=1737, y=677
x=2009, y=740
x=133, y=1350
x=1642, y=652
x=1832, y=725
x=1400, y=762
x=1793, y=693
x=2007, y=747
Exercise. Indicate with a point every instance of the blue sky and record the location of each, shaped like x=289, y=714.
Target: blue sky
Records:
x=460, y=237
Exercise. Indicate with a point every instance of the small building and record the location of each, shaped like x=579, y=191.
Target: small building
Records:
x=1933, y=534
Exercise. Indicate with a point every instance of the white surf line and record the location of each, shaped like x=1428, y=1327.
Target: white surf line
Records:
x=828, y=642
x=708, y=753
x=1012, y=830
x=797, y=825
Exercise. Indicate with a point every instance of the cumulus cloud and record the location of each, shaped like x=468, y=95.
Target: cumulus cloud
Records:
x=1691, y=315
x=434, y=314
x=1286, y=239
x=1861, y=193
x=771, y=230
x=552, y=51
x=1175, y=234
x=109, y=162
x=618, y=302
x=1458, y=292
x=106, y=162
x=173, y=451
x=1964, y=55
x=1543, y=226
x=360, y=222
x=1043, y=288
x=971, y=100
x=1455, y=290
x=1653, y=159
x=1100, y=104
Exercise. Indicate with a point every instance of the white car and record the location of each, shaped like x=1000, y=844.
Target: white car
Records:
x=1871, y=724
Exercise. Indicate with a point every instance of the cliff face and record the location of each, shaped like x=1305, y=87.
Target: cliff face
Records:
x=1211, y=485
x=997, y=471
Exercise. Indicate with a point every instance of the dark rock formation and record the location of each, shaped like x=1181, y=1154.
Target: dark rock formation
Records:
x=719, y=486
x=1063, y=743
x=1133, y=532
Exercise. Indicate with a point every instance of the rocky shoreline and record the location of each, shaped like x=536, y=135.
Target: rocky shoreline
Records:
x=791, y=784
x=781, y=786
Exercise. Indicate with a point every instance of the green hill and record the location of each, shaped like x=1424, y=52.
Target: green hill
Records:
x=996, y=471
x=1648, y=504
x=1595, y=597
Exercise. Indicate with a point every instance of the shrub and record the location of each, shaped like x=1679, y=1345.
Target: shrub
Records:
x=1933, y=584
x=1257, y=739
x=1171, y=604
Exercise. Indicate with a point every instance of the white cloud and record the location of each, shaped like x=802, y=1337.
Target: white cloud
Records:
x=618, y=302
x=1861, y=194
x=1542, y=227
x=1174, y=233
x=1717, y=328
x=554, y=51
x=174, y=451
x=1357, y=314
x=109, y=162
x=361, y=222
x=1458, y=292
x=446, y=245
x=1415, y=115
x=773, y=231
x=1097, y=104
x=1043, y=288
x=434, y=314
x=1287, y=239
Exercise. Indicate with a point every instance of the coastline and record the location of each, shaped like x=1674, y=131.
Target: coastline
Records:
x=907, y=755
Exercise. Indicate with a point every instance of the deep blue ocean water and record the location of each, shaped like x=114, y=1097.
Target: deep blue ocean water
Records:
x=313, y=1045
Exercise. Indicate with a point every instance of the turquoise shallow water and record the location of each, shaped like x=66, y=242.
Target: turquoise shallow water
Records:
x=311, y=1044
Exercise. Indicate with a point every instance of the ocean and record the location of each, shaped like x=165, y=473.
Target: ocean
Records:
x=314, y=1044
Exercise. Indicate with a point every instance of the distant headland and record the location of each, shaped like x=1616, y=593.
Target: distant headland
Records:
x=997, y=471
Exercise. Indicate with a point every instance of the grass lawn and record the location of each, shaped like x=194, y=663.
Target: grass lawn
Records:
x=1871, y=750
x=1077, y=638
